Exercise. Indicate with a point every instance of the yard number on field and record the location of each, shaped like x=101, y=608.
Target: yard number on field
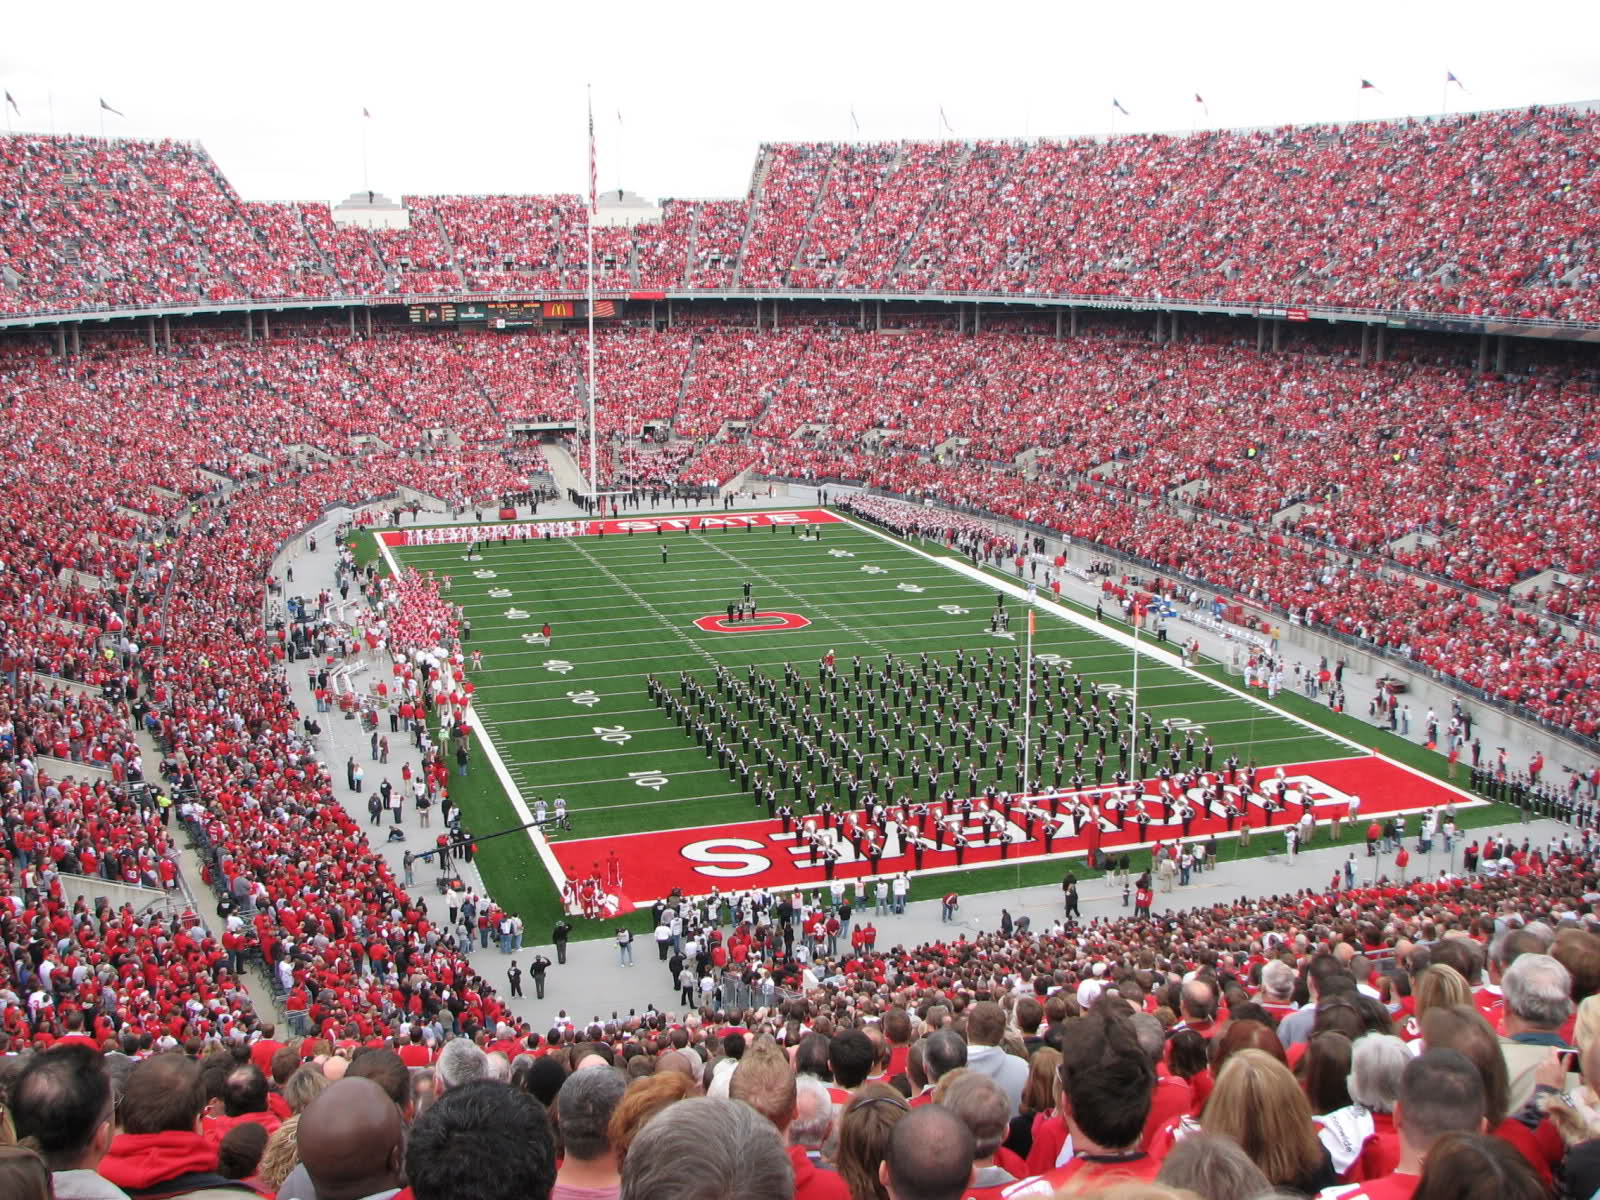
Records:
x=616, y=734
x=654, y=780
x=586, y=698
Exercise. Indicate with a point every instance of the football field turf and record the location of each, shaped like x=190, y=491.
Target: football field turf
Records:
x=574, y=719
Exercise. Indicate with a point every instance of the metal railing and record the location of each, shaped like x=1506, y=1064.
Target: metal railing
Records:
x=1424, y=319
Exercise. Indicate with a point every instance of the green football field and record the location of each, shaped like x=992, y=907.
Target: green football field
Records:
x=573, y=719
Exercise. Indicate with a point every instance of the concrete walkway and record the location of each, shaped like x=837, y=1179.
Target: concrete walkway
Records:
x=593, y=985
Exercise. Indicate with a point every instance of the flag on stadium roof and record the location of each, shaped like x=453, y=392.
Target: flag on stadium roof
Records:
x=1368, y=86
x=594, y=179
x=1117, y=104
x=944, y=120
x=108, y=107
x=12, y=101
x=365, y=113
x=1450, y=77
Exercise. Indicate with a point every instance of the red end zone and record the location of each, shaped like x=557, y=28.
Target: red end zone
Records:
x=759, y=853
x=444, y=535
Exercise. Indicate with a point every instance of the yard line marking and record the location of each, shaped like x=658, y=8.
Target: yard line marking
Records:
x=643, y=603
x=1126, y=640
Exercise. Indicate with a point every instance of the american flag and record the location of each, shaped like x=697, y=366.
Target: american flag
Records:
x=605, y=308
x=594, y=182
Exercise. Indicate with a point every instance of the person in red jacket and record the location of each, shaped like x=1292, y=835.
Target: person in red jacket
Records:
x=158, y=1151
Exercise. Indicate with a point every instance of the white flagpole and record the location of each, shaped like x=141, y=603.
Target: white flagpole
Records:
x=1133, y=718
x=594, y=462
x=1027, y=707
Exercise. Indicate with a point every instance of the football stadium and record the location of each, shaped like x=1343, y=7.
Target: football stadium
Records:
x=967, y=666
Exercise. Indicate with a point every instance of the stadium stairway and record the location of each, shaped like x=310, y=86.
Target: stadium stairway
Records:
x=206, y=901
x=563, y=469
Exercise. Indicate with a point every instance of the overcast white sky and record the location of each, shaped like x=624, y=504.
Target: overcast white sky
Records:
x=489, y=97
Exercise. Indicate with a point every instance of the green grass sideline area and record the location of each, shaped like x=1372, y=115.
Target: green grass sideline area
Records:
x=573, y=719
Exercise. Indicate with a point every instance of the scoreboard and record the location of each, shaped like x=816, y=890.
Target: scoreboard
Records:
x=504, y=314
x=508, y=314
x=432, y=314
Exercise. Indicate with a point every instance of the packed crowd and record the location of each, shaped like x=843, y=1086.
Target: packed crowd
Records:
x=139, y=605
x=1388, y=1042
x=1473, y=484
x=1482, y=214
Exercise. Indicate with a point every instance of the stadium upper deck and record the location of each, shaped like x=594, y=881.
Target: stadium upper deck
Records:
x=1482, y=215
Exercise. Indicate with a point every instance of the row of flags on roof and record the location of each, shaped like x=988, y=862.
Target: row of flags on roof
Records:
x=1450, y=77
x=1366, y=86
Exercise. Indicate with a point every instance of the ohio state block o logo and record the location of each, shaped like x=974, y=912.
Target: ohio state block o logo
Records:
x=762, y=622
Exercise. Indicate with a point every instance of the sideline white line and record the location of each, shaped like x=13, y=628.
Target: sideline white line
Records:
x=1126, y=640
x=513, y=793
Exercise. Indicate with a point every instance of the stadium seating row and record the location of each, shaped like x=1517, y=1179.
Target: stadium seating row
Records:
x=1482, y=214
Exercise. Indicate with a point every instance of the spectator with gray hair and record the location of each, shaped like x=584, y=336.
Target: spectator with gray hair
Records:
x=460, y=1062
x=1277, y=988
x=813, y=1120
x=1377, y=1062
x=584, y=1105
x=983, y=1108
x=941, y=1052
x=1213, y=1167
x=1538, y=998
x=1364, y=1131
x=704, y=1149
